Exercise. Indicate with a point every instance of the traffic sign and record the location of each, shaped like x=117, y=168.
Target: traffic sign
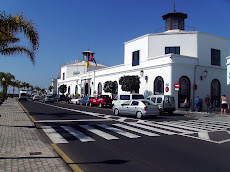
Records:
x=166, y=89
x=177, y=85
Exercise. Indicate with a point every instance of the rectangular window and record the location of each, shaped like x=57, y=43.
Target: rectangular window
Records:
x=124, y=97
x=63, y=76
x=215, y=57
x=173, y=50
x=135, y=58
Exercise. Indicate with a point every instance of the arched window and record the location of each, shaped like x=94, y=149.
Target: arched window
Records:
x=116, y=87
x=76, y=89
x=184, y=91
x=69, y=90
x=86, y=89
x=99, y=89
x=215, y=93
x=158, y=85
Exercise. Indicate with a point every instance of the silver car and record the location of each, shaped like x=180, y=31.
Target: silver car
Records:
x=48, y=98
x=139, y=108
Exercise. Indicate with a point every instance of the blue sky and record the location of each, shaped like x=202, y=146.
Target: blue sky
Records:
x=69, y=27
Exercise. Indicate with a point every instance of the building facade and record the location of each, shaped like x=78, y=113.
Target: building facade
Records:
x=195, y=60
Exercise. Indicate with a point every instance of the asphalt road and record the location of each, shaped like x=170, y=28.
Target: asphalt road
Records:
x=97, y=141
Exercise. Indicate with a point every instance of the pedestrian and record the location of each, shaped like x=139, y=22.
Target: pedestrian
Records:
x=186, y=104
x=207, y=102
x=197, y=103
x=224, y=104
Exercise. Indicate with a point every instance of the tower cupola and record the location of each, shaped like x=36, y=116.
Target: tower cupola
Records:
x=86, y=55
x=174, y=21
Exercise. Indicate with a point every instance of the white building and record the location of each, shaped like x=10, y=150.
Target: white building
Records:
x=195, y=60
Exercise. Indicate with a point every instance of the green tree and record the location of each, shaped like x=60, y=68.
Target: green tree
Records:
x=110, y=87
x=51, y=88
x=130, y=83
x=62, y=88
x=10, y=27
x=8, y=77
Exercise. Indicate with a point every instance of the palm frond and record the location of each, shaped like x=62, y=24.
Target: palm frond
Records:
x=18, y=50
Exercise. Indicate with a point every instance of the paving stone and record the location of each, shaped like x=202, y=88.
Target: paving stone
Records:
x=18, y=138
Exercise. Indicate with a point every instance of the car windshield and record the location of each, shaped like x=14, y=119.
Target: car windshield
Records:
x=104, y=96
x=23, y=94
x=49, y=96
x=146, y=102
x=138, y=96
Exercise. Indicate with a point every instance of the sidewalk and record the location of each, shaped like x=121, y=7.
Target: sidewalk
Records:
x=21, y=146
x=203, y=115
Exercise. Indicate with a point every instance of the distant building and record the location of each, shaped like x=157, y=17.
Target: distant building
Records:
x=195, y=60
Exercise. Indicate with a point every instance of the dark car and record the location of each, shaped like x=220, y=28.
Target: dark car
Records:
x=60, y=98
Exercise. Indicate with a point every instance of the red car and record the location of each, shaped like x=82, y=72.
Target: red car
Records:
x=101, y=100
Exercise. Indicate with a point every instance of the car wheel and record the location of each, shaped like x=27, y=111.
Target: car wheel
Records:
x=116, y=112
x=139, y=115
x=100, y=105
x=90, y=104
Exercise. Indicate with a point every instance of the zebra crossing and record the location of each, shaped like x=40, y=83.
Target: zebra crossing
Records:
x=207, y=130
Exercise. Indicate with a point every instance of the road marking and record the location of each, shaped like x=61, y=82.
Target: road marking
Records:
x=53, y=135
x=99, y=132
x=152, y=129
x=203, y=135
x=121, y=132
x=193, y=124
x=71, y=120
x=82, y=137
x=179, y=126
x=136, y=130
x=168, y=128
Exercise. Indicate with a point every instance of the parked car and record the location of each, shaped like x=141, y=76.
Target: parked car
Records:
x=59, y=98
x=101, y=100
x=121, y=98
x=36, y=97
x=85, y=100
x=75, y=100
x=139, y=108
x=48, y=98
x=166, y=103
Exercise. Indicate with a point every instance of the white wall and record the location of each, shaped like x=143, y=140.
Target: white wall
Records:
x=186, y=41
x=140, y=44
x=205, y=43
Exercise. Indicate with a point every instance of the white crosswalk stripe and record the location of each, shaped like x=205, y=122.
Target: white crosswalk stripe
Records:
x=53, y=135
x=82, y=137
x=136, y=130
x=121, y=132
x=168, y=128
x=152, y=128
x=99, y=132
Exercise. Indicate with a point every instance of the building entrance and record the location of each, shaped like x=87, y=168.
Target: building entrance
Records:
x=184, y=91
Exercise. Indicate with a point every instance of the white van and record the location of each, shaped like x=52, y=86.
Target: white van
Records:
x=23, y=95
x=166, y=103
x=121, y=98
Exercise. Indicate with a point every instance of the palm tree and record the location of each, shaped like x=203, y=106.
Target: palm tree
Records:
x=13, y=84
x=12, y=25
x=27, y=86
x=23, y=85
x=18, y=85
x=7, y=80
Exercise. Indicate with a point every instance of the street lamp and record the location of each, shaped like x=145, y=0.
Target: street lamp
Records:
x=205, y=73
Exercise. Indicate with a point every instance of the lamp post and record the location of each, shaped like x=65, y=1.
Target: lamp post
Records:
x=3, y=85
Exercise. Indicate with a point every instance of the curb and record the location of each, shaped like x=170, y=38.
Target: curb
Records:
x=65, y=158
